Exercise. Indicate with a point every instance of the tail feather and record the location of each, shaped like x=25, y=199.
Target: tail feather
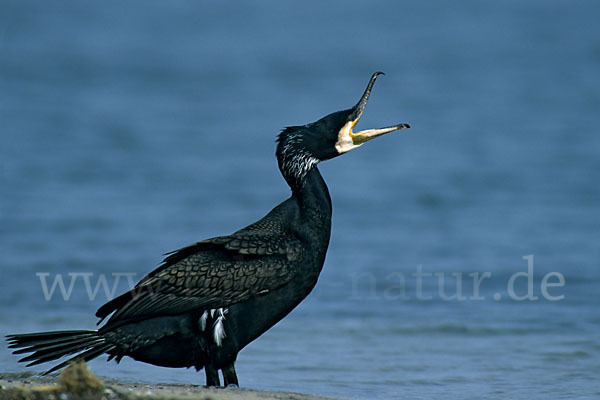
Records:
x=30, y=339
x=49, y=346
x=85, y=356
x=42, y=356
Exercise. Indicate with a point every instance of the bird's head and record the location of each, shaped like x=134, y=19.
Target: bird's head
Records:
x=301, y=147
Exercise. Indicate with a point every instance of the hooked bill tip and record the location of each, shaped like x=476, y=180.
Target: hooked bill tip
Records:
x=375, y=75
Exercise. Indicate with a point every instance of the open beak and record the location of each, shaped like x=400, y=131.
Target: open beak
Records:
x=361, y=137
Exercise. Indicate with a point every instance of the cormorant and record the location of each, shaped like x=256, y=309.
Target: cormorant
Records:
x=208, y=300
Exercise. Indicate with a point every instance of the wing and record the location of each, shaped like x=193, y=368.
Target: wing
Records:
x=210, y=274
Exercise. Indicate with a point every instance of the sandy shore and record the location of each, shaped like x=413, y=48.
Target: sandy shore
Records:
x=77, y=383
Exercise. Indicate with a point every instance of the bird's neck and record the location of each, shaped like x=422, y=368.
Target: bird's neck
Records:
x=311, y=192
x=313, y=224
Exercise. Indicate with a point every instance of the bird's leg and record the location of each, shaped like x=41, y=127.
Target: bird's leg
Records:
x=229, y=375
x=212, y=376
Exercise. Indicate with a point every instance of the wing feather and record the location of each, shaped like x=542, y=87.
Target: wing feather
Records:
x=214, y=273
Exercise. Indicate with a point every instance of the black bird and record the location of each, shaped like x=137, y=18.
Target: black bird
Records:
x=208, y=300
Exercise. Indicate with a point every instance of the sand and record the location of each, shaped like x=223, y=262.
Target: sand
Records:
x=77, y=383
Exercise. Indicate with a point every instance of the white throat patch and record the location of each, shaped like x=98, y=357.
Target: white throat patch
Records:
x=344, y=142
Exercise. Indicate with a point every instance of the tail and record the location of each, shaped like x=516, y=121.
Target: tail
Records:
x=49, y=346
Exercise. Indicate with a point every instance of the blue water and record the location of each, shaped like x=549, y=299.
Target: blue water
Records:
x=132, y=129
